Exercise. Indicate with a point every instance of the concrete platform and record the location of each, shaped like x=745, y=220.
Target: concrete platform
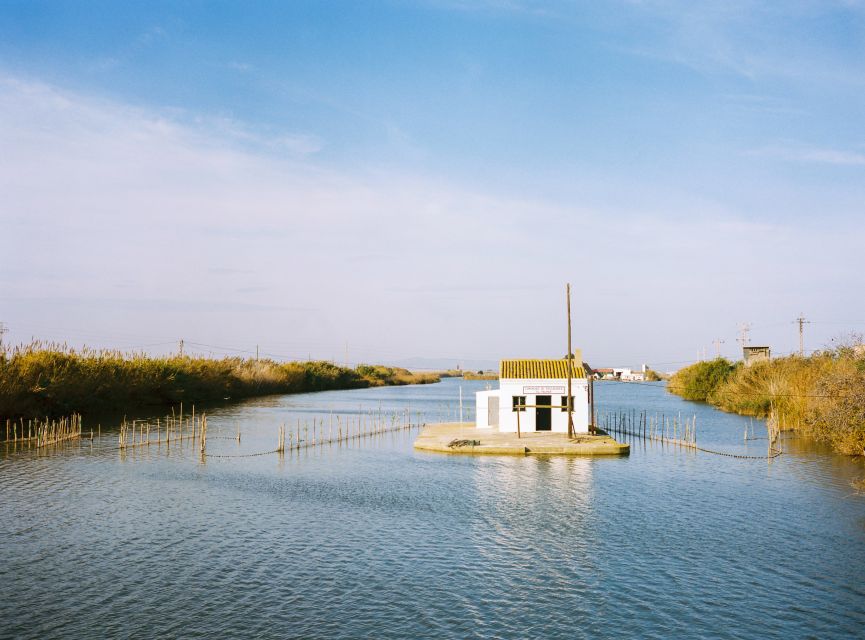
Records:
x=438, y=437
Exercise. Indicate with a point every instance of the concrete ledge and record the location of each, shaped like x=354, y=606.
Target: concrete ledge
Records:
x=437, y=437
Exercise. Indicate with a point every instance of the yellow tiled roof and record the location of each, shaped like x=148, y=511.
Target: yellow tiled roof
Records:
x=540, y=369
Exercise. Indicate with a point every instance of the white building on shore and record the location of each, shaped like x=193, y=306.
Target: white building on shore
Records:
x=622, y=373
x=537, y=391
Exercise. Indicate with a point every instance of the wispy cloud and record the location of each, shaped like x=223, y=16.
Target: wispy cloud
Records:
x=479, y=288
x=230, y=271
x=181, y=215
x=130, y=50
x=768, y=104
x=751, y=39
x=237, y=131
x=151, y=35
x=818, y=155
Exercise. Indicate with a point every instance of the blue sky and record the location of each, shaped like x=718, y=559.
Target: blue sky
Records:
x=421, y=178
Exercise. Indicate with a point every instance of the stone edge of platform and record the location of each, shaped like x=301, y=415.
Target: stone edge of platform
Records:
x=603, y=449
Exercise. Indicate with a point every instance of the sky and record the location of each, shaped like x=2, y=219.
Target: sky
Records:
x=417, y=181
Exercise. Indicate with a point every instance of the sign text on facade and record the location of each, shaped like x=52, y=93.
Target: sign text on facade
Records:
x=540, y=389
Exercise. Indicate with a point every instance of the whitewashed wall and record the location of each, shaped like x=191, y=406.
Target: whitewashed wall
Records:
x=482, y=404
x=533, y=388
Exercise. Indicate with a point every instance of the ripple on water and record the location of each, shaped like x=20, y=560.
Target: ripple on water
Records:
x=374, y=540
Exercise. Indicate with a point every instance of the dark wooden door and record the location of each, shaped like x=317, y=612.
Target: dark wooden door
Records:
x=543, y=413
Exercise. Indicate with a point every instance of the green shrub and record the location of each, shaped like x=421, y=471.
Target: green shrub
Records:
x=701, y=380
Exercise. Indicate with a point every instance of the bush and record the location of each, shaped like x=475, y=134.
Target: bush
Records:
x=837, y=413
x=701, y=380
x=822, y=396
x=655, y=376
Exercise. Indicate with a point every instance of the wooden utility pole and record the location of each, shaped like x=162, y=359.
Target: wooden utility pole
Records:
x=256, y=353
x=519, y=408
x=181, y=347
x=569, y=363
x=3, y=330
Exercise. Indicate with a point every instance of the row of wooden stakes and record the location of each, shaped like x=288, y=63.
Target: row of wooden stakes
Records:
x=192, y=429
x=180, y=428
x=43, y=433
x=343, y=429
x=660, y=427
x=176, y=428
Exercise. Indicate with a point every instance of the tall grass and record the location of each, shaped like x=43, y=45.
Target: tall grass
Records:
x=378, y=375
x=481, y=375
x=46, y=379
x=822, y=395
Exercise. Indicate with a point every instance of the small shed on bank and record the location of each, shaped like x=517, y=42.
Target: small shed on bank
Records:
x=537, y=390
x=752, y=354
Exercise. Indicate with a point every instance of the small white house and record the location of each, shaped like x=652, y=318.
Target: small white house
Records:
x=629, y=375
x=623, y=374
x=537, y=390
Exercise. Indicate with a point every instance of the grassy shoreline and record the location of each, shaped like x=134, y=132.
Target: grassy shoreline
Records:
x=481, y=375
x=822, y=396
x=48, y=380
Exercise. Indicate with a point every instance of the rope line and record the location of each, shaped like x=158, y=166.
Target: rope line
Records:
x=688, y=445
x=774, y=454
x=309, y=444
x=240, y=455
x=754, y=394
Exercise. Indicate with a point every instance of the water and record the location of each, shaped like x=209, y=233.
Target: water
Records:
x=372, y=539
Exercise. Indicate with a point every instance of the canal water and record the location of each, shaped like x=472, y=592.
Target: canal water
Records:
x=374, y=540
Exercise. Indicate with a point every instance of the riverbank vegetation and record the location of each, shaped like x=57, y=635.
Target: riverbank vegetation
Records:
x=822, y=395
x=41, y=380
x=481, y=375
x=378, y=376
x=701, y=380
x=655, y=376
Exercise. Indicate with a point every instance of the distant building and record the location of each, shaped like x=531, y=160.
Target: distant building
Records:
x=620, y=373
x=537, y=391
x=750, y=354
x=629, y=375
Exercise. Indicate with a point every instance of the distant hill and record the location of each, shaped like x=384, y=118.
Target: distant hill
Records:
x=443, y=364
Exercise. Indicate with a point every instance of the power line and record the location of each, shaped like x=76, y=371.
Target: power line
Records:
x=661, y=385
x=744, y=329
